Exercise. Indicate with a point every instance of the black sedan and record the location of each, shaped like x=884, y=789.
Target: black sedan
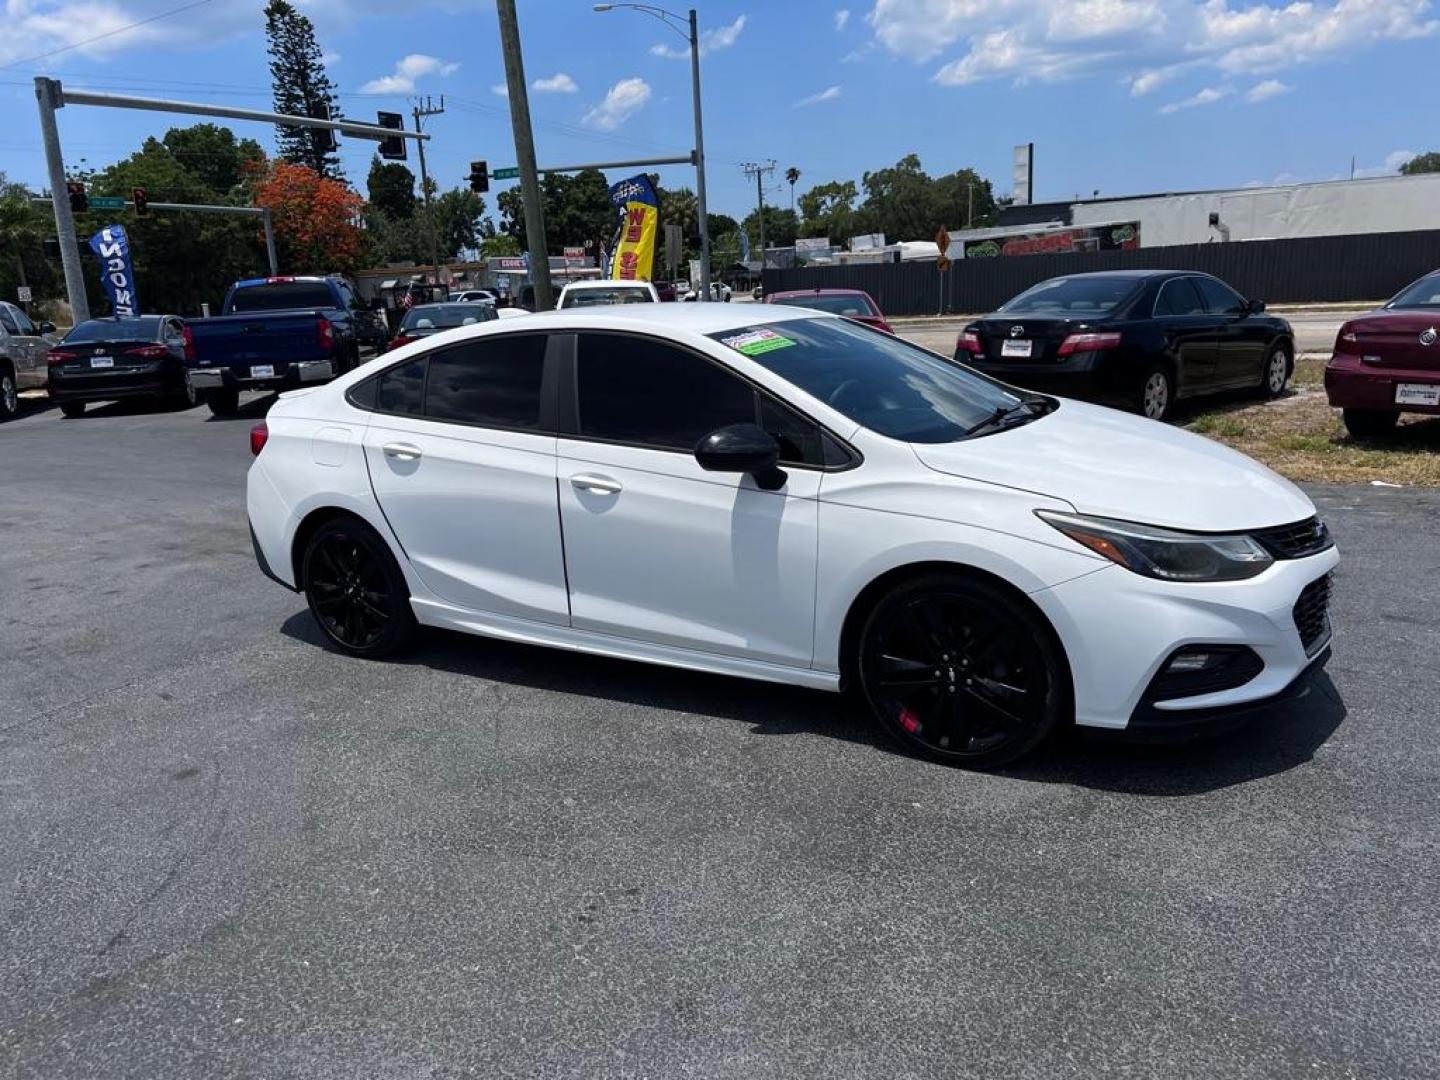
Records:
x=1142, y=339
x=107, y=359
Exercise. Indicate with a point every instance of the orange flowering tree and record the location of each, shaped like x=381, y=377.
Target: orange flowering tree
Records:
x=317, y=221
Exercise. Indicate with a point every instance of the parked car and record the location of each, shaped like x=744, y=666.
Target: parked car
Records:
x=1388, y=362
x=851, y=303
x=23, y=346
x=719, y=292
x=757, y=293
x=469, y=296
x=1142, y=339
x=666, y=292
x=146, y=356
x=780, y=494
x=274, y=333
x=601, y=292
x=421, y=322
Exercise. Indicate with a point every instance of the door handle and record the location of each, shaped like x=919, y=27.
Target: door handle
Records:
x=402, y=451
x=600, y=485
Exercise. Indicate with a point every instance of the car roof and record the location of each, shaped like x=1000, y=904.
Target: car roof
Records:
x=701, y=318
x=603, y=283
x=819, y=292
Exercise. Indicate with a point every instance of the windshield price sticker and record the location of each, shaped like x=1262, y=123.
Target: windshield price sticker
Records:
x=755, y=342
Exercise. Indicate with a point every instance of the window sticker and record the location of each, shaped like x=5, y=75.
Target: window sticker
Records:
x=755, y=342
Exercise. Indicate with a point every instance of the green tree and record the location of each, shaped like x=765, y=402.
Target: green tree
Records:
x=898, y=202
x=1422, y=163
x=457, y=215
x=792, y=177
x=781, y=229
x=498, y=246
x=576, y=208
x=962, y=199
x=392, y=189
x=829, y=210
x=301, y=88
x=212, y=155
x=23, y=228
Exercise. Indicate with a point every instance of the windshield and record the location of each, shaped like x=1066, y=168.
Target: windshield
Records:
x=1072, y=296
x=446, y=316
x=282, y=295
x=844, y=304
x=619, y=294
x=1425, y=293
x=145, y=328
x=881, y=382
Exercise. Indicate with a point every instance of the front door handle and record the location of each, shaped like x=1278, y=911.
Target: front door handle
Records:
x=402, y=451
x=600, y=485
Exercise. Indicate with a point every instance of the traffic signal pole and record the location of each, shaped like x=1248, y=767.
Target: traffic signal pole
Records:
x=46, y=93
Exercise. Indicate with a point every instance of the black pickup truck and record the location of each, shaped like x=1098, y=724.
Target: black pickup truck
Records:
x=274, y=333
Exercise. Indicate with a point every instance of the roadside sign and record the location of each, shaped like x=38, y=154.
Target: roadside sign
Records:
x=107, y=202
x=942, y=263
x=23, y=294
x=510, y=172
x=942, y=240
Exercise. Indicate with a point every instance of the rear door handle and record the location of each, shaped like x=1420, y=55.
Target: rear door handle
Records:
x=402, y=451
x=601, y=485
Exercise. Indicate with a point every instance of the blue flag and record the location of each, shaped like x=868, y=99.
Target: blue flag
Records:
x=112, y=247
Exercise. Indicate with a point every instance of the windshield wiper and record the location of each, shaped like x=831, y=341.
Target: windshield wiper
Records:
x=1003, y=413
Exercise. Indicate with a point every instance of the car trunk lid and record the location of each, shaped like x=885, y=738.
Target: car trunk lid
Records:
x=1025, y=339
x=1402, y=338
x=106, y=356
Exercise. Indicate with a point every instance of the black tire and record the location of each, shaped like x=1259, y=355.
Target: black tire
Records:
x=1371, y=423
x=72, y=409
x=1155, y=397
x=185, y=397
x=223, y=402
x=9, y=394
x=959, y=670
x=356, y=591
x=1275, y=375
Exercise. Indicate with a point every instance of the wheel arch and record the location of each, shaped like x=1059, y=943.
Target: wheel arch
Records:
x=314, y=518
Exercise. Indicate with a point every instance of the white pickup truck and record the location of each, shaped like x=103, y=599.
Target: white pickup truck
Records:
x=23, y=346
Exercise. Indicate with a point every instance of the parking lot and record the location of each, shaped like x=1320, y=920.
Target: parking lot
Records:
x=231, y=851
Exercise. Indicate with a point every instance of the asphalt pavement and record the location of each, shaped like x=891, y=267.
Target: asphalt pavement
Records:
x=231, y=852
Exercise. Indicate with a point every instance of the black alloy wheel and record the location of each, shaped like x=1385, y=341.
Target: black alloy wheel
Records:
x=959, y=671
x=355, y=589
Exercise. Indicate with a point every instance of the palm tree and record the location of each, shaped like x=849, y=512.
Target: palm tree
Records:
x=792, y=177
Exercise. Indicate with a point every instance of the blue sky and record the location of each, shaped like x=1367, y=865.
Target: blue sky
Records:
x=1122, y=96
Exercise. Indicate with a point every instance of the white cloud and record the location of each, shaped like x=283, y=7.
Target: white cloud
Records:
x=559, y=83
x=407, y=70
x=500, y=90
x=624, y=98
x=1148, y=41
x=1209, y=96
x=842, y=18
x=1266, y=90
x=828, y=94
x=329, y=59
x=722, y=37
x=1393, y=161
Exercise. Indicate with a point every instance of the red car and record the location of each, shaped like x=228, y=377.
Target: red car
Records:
x=1388, y=362
x=852, y=303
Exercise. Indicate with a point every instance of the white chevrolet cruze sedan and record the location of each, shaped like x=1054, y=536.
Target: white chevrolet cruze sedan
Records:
x=785, y=495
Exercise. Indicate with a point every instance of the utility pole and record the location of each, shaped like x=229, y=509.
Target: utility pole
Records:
x=751, y=168
x=699, y=159
x=420, y=112
x=50, y=98
x=525, y=153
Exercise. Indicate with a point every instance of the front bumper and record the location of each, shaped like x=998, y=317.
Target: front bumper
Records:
x=1350, y=383
x=1118, y=628
x=286, y=377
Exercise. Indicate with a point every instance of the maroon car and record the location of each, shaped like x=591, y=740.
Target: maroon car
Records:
x=1388, y=362
x=852, y=303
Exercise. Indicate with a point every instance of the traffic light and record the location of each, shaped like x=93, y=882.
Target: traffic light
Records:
x=142, y=202
x=393, y=148
x=322, y=138
x=79, y=201
x=51, y=246
x=479, y=176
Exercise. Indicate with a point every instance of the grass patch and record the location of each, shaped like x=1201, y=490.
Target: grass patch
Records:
x=1225, y=426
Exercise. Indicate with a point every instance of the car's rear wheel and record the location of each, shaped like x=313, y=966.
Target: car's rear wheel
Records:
x=960, y=671
x=223, y=402
x=72, y=409
x=185, y=397
x=1371, y=423
x=355, y=589
x=9, y=395
x=1277, y=372
x=1157, y=393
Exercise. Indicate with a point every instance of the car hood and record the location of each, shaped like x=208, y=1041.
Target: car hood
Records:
x=1113, y=464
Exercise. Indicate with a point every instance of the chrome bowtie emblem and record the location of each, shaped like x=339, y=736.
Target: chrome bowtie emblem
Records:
x=1017, y=331
x=1427, y=337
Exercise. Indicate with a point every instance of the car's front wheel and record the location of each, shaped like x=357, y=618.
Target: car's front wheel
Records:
x=1371, y=423
x=355, y=589
x=960, y=671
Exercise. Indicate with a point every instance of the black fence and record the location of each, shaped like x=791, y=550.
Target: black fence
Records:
x=1316, y=269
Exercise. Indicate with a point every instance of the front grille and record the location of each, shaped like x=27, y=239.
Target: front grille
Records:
x=1312, y=615
x=1297, y=541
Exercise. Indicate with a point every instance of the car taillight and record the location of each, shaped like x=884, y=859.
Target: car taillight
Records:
x=59, y=356
x=401, y=339
x=259, y=434
x=324, y=333
x=189, y=336
x=1089, y=343
x=150, y=352
x=970, y=342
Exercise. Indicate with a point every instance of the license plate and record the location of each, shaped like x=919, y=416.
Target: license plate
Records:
x=262, y=371
x=1015, y=348
x=1416, y=394
x=102, y=361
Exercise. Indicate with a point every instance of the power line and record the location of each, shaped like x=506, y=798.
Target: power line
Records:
x=108, y=34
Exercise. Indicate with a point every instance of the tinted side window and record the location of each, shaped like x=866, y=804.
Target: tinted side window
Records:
x=637, y=390
x=801, y=441
x=402, y=388
x=1178, y=297
x=494, y=382
x=6, y=321
x=1220, y=299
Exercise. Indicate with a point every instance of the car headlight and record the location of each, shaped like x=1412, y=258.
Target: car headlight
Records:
x=1166, y=554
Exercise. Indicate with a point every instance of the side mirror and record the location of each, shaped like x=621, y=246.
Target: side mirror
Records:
x=1254, y=307
x=47, y=327
x=742, y=448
